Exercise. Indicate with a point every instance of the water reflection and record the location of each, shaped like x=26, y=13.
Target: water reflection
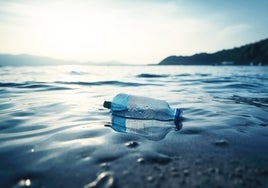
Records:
x=151, y=129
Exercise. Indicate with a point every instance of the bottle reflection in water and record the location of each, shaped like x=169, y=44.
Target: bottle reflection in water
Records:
x=151, y=129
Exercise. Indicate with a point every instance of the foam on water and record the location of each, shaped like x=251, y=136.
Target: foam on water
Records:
x=53, y=133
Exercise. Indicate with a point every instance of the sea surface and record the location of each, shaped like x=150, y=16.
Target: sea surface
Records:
x=54, y=131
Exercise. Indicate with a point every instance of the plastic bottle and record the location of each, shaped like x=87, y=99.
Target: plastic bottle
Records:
x=138, y=107
x=151, y=129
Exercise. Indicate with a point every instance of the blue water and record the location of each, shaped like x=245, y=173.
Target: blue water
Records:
x=54, y=133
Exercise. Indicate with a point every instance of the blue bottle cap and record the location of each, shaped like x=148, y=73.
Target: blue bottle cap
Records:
x=178, y=118
x=107, y=104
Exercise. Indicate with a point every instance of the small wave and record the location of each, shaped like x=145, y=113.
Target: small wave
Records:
x=217, y=80
x=146, y=75
x=183, y=75
x=202, y=74
x=40, y=86
x=193, y=75
x=6, y=106
x=256, y=101
x=43, y=86
x=11, y=84
x=101, y=83
x=241, y=86
x=11, y=123
x=259, y=102
x=192, y=131
x=78, y=73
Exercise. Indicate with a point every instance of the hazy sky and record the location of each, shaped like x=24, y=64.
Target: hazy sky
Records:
x=129, y=31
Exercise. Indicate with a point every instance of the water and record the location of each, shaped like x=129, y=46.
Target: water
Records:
x=53, y=133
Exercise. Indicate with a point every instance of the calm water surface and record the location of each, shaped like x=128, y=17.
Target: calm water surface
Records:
x=53, y=133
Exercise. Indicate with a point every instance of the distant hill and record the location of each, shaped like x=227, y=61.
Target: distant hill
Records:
x=250, y=54
x=24, y=59
x=30, y=60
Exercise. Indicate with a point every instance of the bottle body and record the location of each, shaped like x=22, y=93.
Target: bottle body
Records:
x=138, y=107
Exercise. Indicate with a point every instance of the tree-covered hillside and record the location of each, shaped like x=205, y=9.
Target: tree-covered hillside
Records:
x=251, y=54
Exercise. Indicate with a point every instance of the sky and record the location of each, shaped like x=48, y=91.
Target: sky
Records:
x=128, y=31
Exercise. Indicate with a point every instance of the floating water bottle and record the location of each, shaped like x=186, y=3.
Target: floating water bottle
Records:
x=138, y=107
x=150, y=129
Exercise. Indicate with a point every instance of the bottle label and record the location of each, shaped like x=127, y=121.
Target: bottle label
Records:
x=120, y=102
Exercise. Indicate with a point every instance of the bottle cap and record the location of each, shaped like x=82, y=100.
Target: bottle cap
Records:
x=107, y=104
x=178, y=118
